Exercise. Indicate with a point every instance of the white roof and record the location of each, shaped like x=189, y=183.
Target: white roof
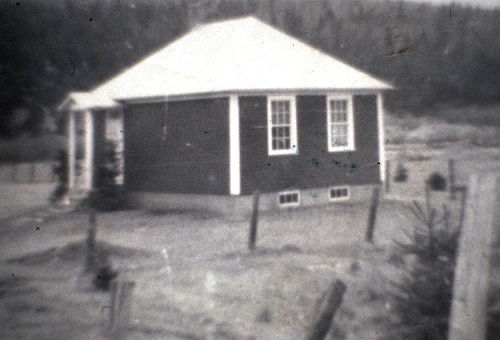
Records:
x=234, y=56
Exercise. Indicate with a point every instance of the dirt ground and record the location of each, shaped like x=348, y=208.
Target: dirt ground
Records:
x=195, y=278
x=18, y=198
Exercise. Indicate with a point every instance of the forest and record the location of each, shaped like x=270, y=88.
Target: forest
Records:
x=435, y=56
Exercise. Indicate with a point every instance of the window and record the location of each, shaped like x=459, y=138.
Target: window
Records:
x=288, y=199
x=282, y=125
x=340, y=124
x=339, y=193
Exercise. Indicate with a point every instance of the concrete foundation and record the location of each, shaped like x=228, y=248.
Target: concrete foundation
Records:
x=241, y=206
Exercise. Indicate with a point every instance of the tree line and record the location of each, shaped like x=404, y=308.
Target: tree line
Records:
x=433, y=55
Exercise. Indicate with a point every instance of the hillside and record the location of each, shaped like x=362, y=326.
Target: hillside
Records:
x=434, y=56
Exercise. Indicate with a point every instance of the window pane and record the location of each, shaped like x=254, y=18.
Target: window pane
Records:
x=335, y=130
x=286, y=131
x=286, y=106
x=342, y=140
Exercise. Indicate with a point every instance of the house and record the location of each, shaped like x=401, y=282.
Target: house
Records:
x=231, y=108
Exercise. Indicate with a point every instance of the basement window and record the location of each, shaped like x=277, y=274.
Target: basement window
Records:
x=339, y=193
x=289, y=199
x=282, y=125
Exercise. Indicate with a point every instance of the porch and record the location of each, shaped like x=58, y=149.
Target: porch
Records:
x=88, y=127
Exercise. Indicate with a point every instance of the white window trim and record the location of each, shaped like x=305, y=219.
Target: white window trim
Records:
x=350, y=121
x=293, y=127
x=291, y=204
x=337, y=199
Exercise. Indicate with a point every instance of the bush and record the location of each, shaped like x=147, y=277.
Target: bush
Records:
x=401, y=173
x=103, y=277
x=108, y=195
x=437, y=182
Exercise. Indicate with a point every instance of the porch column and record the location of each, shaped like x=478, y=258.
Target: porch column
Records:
x=89, y=149
x=71, y=150
x=381, y=136
x=234, y=146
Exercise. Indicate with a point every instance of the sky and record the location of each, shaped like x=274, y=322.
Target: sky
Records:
x=479, y=3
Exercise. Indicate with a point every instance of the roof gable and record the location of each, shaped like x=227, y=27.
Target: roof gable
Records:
x=235, y=56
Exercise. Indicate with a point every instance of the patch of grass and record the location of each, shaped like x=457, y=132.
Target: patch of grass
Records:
x=473, y=125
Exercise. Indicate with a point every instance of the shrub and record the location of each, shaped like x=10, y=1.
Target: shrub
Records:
x=401, y=173
x=103, y=277
x=437, y=182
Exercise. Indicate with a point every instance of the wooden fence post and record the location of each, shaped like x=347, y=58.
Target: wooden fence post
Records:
x=121, y=307
x=115, y=295
x=372, y=215
x=468, y=319
x=14, y=173
x=387, y=176
x=463, y=198
x=324, y=319
x=91, y=237
x=254, y=221
x=91, y=264
x=451, y=178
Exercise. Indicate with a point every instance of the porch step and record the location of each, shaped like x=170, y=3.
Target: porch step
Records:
x=74, y=198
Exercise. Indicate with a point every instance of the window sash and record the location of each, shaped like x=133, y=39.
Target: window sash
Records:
x=289, y=198
x=282, y=126
x=340, y=123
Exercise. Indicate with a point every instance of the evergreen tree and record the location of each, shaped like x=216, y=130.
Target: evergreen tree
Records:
x=421, y=300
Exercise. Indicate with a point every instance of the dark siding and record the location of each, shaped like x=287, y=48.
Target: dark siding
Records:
x=193, y=156
x=314, y=166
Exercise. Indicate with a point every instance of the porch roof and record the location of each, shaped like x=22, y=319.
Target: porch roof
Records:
x=82, y=101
